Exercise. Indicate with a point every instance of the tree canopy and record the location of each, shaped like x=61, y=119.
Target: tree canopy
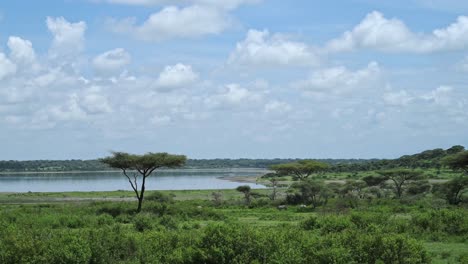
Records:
x=300, y=170
x=458, y=161
x=400, y=177
x=133, y=166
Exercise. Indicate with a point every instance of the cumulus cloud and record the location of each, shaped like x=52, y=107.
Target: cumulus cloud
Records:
x=400, y=98
x=112, y=61
x=442, y=95
x=260, y=48
x=277, y=107
x=392, y=35
x=176, y=76
x=233, y=95
x=93, y=101
x=68, y=38
x=175, y=22
x=7, y=67
x=22, y=51
x=339, y=80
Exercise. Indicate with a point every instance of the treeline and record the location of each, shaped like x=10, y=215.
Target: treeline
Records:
x=424, y=160
x=96, y=165
x=428, y=159
x=261, y=163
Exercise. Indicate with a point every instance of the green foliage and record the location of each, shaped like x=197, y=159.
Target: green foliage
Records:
x=458, y=161
x=300, y=170
x=400, y=177
x=194, y=231
x=374, y=180
x=160, y=197
x=133, y=166
x=454, y=191
x=245, y=189
x=308, y=192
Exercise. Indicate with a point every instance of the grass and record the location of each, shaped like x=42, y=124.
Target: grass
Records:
x=446, y=252
x=195, y=210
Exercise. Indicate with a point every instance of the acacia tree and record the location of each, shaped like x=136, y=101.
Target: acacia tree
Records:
x=455, y=188
x=308, y=192
x=400, y=177
x=300, y=170
x=457, y=162
x=142, y=166
x=246, y=190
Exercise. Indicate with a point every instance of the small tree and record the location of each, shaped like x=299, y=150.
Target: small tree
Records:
x=217, y=198
x=374, y=180
x=308, y=192
x=400, y=177
x=457, y=162
x=245, y=189
x=136, y=166
x=454, y=189
x=274, y=183
x=300, y=170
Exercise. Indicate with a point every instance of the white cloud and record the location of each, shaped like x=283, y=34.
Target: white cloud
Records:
x=94, y=102
x=277, y=107
x=176, y=76
x=260, y=48
x=68, y=37
x=174, y=22
x=233, y=95
x=22, y=51
x=442, y=95
x=70, y=110
x=400, y=98
x=112, y=61
x=339, y=80
x=379, y=33
x=7, y=67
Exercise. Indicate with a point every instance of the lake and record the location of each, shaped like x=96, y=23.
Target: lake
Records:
x=178, y=179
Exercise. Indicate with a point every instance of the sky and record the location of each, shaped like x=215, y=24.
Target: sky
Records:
x=232, y=78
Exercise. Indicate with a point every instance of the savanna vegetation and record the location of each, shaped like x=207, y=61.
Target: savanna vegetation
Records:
x=395, y=212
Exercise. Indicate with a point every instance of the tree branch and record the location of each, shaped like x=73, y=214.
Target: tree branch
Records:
x=134, y=187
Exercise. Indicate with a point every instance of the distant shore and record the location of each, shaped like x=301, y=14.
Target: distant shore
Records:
x=118, y=171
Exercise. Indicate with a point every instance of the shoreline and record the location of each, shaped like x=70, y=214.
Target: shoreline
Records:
x=118, y=171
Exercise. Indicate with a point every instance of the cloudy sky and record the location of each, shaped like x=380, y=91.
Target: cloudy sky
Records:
x=232, y=78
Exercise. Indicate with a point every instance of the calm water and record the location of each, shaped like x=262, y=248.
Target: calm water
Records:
x=189, y=179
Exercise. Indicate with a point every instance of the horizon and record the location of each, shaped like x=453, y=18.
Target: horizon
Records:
x=259, y=158
x=226, y=79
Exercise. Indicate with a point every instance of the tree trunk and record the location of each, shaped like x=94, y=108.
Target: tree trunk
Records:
x=140, y=201
x=142, y=193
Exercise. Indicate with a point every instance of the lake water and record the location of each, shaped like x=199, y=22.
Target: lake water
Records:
x=183, y=179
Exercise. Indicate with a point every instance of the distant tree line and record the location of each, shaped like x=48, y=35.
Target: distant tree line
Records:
x=95, y=165
x=429, y=159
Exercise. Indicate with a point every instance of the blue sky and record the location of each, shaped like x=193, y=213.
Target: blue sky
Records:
x=234, y=78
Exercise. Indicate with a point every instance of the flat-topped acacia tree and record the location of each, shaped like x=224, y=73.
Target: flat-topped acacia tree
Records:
x=142, y=166
x=300, y=170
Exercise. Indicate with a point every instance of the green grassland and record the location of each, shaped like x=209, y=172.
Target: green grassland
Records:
x=190, y=227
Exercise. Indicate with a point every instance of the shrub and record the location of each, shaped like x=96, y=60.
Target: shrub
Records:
x=160, y=197
x=143, y=222
x=310, y=223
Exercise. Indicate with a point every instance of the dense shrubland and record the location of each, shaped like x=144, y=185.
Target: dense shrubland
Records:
x=231, y=231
